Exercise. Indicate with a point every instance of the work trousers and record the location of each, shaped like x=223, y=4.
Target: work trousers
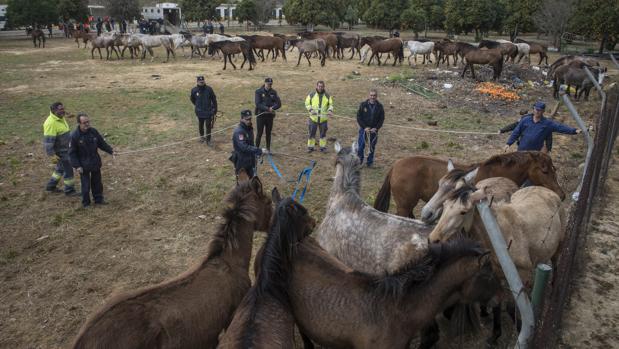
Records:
x=64, y=170
x=265, y=122
x=313, y=127
x=91, y=180
x=361, y=142
x=201, y=125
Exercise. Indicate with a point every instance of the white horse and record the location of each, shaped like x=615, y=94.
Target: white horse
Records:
x=418, y=47
x=148, y=42
x=523, y=50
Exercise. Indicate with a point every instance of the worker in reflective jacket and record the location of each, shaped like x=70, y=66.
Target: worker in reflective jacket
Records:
x=320, y=105
x=56, y=138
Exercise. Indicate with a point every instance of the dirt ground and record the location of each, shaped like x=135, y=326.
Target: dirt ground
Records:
x=58, y=262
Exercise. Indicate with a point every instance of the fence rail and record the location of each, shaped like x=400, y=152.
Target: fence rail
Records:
x=596, y=171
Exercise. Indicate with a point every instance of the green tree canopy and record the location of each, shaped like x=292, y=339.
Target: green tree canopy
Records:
x=414, y=18
x=32, y=12
x=200, y=10
x=519, y=16
x=385, y=14
x=73, y=9
x=598, y=19
x=246, y=12
x=309, y=13
x=126, y=9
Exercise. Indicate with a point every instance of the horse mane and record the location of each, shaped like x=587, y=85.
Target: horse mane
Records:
x=463, y=193
x=417, y=273
x=278, y=253
x=513, y=159
x=455, y=175
x=239, y=208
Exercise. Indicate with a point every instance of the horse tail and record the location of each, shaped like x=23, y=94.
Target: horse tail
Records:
x=401, y=51
x=250, y=55
x=383, y=197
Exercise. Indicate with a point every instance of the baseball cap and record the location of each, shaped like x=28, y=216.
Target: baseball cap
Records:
x=268, y=80
x=539, y=105
x=200, y=78
x=246, y=114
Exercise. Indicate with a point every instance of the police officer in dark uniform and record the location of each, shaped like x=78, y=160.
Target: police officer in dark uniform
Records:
x=267, y=102
x=245, y=152
x=85, y=141
x=205, y=102
x=370, y=118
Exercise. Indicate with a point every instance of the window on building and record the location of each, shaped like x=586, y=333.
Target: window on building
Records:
x=225, y=12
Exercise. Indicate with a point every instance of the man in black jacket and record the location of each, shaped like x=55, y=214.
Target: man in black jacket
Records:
x=85, y=141
x=267, y=102
x=205, y=102
x=244, y=156
x=370, y=118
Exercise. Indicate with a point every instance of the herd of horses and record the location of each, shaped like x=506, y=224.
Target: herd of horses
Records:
x=361, y=278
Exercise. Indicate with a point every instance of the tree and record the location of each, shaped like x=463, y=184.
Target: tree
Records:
x=351, y=16
x=73, y=9
x=264, y=10
x=481, y=16
x=31, y=12
x=520, y=16
x=198, y=10
x=246, y=12
x=414, y=18
x=385, y=14
x=598, y=19
x=314, y=12
x=454, y=17
x=126, y=9
x=553, y=18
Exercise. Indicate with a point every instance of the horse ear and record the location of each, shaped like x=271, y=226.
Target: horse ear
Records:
x=471, y=176
x=337, y=146
x=275, y=197
x=256, y=185
x=450, y=165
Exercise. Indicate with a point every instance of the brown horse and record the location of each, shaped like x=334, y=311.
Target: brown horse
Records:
x=85, y=36
x=348, y=40
x=262, y=42
x=394, y=46
x=329, y=38
x=472, y=55
x=230, y=48
x=443, y=49
x=263, y=319
x=536, y=48
x=38, y=37
x=509, y=50
x=416, y=178
x=337, y=307
x=190, y=310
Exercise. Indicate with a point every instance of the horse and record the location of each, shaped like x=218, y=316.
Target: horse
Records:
x=445, y=49
x=536, y=48
x=148, y=42
x=532, y=223
x=361, y=237
x=131, y=42
x=394, y=46
x=348, y=40
x=307, y=47
x=338, y=307
x=190, y=310
x=195, y=42
x=580, y=61
x=329, y=38
x=473, y=55
x=508, y=49
x=261, y=42
x=368, y=40
x=85, y=36
x=263, y=319
x=524, y=50
x=416, y=178
x=230, y=48
x=577, y=77
x=105, y=41
x=423, y=48
x=38, y=37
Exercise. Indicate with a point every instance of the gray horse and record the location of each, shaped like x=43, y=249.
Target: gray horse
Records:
x=360, y=236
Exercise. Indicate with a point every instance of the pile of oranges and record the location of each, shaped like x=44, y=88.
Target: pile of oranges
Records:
x=497, y=91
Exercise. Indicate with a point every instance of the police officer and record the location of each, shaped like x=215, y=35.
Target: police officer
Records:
x=267, y=102
x=370, y=118
x=320, y=105
x=244, y=156
x=205, y=102
x=85, y=141
x=56, y=137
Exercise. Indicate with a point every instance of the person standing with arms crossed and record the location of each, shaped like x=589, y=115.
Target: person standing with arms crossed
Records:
x=267, y=102
x=370, y=118
x=205, y=102
x=320, y=105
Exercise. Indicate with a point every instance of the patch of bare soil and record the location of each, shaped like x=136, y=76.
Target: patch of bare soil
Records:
x=591, y=319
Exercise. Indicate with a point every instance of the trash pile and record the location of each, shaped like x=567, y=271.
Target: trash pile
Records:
x=497, y=91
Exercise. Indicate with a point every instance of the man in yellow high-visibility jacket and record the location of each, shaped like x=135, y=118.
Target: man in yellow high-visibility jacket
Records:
x=320, y=105
x=56, y=139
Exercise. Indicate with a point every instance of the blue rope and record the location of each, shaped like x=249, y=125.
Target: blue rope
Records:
x=307, y=173
x=277, y=172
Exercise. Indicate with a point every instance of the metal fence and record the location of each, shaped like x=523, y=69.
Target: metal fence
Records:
x=595, y=174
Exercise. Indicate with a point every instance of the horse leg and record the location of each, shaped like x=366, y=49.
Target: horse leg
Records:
x=225, y=61
x=307, y=56
x=473, y=71
x=244, y=60
x=92, y=53
x=464, y=70
x=395, y=58
x=116, y=51
x=300, y=55
x=230, y=58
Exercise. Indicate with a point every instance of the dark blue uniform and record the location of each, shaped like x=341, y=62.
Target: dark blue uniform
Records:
x=205, y=102
x=533, y=134
x=264, y=99
x=244, y=156
x=83, y=153
x=513, y=125
x=372, y=116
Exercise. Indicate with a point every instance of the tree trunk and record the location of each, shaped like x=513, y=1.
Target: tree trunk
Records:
x=425, y=35
x=603, y=42
x=513, y=34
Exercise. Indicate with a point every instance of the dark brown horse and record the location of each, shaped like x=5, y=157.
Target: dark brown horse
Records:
x=473, y=55
x=230, y=48
x=347, y=40
x=263, y=319
x=190, y=310
x=337, y=307
x=443, y=49
x=509, y=50
x=536, y=48
x=270, y=43
x=394, y=46
x=38, y=37
x=416, y=178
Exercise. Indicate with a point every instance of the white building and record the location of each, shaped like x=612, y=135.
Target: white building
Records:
x=3, y=16
x=165, y=11
x=226, y=11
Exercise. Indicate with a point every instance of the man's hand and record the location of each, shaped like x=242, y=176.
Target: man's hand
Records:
x=373, y=130
x=578, y=131
x=79, y=170
x=367, y=129
x=54, y=159
x=270, y=109
x=506, y=148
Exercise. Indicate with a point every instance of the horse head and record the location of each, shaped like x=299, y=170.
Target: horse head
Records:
x=542, y=172
x=253, y=186
x=453, y=180
x=458, y=211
